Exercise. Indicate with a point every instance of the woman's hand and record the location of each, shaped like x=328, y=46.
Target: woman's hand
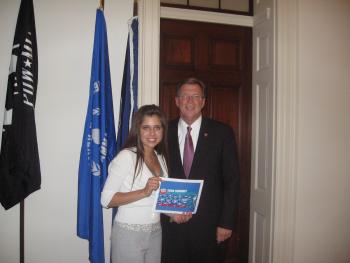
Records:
x=120, y=198
x=151, y=185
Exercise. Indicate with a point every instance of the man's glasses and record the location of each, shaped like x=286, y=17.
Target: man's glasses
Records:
x=194, y=97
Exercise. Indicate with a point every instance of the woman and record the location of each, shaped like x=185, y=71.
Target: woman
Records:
x=134, y=175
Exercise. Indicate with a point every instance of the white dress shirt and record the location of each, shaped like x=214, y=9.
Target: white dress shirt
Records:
x=182, y=131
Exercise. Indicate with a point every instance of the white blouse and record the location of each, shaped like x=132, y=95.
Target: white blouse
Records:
x=120, y=179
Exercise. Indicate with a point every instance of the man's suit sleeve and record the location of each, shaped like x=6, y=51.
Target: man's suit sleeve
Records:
x=230, y=176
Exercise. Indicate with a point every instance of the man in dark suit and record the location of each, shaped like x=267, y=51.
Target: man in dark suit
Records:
x=200, y=237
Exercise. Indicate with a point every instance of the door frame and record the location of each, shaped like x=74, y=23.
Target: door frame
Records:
x=284, y=177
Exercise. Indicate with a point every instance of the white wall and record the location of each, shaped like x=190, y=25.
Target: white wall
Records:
x=323, y=183
x=65, y=39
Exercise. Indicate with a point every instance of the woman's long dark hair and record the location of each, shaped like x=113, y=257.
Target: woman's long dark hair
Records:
x=134, y=138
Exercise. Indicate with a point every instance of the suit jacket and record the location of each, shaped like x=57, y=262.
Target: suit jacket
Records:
x=215, y=161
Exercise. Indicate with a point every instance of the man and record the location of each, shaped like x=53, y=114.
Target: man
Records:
x=199, y=237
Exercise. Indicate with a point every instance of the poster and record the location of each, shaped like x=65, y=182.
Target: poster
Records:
x=178, y=196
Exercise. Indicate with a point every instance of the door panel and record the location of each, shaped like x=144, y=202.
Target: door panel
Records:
x=221, y=56
x=223, y=105
x=263, y=127
x=179, y=52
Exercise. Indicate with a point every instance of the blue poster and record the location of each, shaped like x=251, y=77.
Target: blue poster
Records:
x=178, y=196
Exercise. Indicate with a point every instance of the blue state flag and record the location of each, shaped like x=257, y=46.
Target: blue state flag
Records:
x=128, y=103
x=128, y=97
x=98, y=146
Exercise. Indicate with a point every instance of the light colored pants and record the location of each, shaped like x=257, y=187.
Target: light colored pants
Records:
x=136, y=244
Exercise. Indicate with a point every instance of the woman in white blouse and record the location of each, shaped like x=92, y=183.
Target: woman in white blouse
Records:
x=133, y=176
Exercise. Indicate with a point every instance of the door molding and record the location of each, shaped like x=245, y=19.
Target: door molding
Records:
x=149, y=21
x=205, y=16
x=287, y=99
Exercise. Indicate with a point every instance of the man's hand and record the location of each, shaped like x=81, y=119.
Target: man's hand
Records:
x=180, y=218
x=222, y=234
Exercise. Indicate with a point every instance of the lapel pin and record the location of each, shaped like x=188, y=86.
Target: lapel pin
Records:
x=205, y=134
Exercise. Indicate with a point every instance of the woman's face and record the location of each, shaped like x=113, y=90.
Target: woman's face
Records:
x=151, y=132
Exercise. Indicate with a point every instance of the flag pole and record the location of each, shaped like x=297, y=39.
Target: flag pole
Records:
x=21, y=232
x=102, y=4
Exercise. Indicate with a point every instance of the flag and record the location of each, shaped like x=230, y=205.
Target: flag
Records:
x=98, y=146
x=19, y=158
x=128, y=98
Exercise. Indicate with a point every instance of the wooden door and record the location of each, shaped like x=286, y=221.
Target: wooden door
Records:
x=221, y=56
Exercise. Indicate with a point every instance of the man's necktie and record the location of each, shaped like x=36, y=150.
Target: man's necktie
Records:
x=188, y=152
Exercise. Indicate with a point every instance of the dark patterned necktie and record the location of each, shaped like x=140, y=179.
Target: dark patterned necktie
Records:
x=188, y=152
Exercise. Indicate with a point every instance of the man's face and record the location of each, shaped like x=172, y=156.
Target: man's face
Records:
x=190, y=102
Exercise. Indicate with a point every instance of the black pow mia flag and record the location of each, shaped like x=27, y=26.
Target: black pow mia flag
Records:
x=19, y=158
